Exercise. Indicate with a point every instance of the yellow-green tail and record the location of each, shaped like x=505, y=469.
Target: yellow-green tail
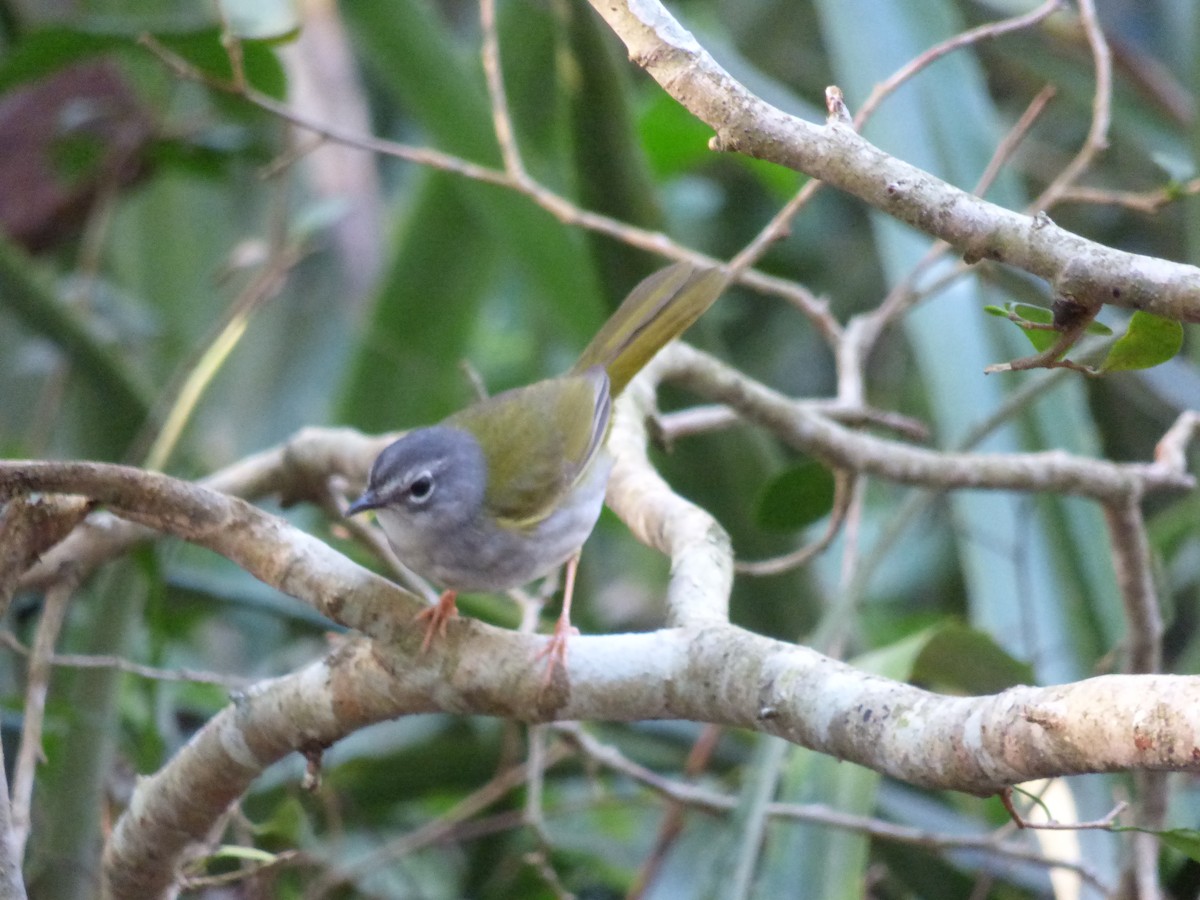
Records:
x=661, y=307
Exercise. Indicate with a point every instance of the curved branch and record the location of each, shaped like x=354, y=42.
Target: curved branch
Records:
x=716, y=673
x=266, y=546
x=1087, y=272
x=843, y=448
x=720, y=674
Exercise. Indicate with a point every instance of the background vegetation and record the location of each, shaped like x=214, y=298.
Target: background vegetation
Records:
x=187, y=278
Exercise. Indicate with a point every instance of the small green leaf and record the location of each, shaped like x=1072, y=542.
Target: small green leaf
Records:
x=49, y=49
x=287, y=823
x=204, y=50
x=960, y=658
x=1041, y=338
x=675, y=141
x=795, y=497
x=676, y=144
x=1030, y=313
x=250, y=854
x=1098, y=328
x=1185, y=840
x=1149, y=341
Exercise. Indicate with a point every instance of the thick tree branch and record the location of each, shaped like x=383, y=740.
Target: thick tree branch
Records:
x=1085, y=271
x=716, y=673
x=720, y=674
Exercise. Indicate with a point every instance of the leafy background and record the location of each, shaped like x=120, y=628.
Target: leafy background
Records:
x=126, y=272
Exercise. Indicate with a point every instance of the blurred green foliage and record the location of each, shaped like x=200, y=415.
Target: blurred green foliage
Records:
x=141, y=256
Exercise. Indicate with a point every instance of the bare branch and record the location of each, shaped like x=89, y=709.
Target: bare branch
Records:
x=985, y=32
x=716, y=673
x=841, y=448
x=1131, y=559
x=706, y=800
x=1097, y=136
x=1089, y=273
x=30, y=753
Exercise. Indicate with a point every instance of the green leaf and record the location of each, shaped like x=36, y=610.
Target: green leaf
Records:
x=1185, y=840
x=48, y=50
x=1041, y=339
x=675, y=141
x=204, y=50
x=1149, y=341
x=286, y=823
x=1030, y=313
x=1038, y=314
x=612, y=172
x=969, y=661
x=427, y=303
x=250, y=854
x=795, y=498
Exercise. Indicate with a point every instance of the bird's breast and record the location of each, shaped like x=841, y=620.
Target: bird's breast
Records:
x=479, y=554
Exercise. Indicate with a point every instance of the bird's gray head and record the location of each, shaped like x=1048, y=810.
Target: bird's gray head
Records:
x=437, y=471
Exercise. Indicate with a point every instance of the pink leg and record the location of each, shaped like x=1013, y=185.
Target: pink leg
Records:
x=438, y=615
x=556, y=646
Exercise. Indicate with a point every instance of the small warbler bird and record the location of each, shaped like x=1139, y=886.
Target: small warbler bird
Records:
x=509, y=488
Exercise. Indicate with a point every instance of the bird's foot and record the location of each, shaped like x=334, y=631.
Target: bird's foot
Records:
x=555, y=651
x=438, y=615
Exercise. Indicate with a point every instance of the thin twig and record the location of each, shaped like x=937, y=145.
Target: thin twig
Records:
x=494, y=75
x=1171, y=450
x=30, y=753
x=12, y=880
x=964, y=39
x=673, y=818
x=1104, y=823
x=1130, y=547
x=695, y=420
x=563, y=210
x=1097, y=136
x=434, y=830
x=195, y=377
x=76, y=661
x=710, y=801
x=777, y=565
x=1013, y=138
x=254, y=869
x=1147, y=202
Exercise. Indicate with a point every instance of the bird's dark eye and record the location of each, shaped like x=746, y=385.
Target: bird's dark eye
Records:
x=421, y=487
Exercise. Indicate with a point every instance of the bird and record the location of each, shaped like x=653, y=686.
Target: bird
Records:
x=509, y=488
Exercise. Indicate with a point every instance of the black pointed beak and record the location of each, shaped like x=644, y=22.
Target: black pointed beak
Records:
x=369, y=500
